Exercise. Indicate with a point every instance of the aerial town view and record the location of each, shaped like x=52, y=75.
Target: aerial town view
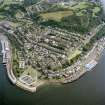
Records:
x=50, y=41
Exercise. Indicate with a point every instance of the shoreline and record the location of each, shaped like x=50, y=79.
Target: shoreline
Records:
x=72, y=78
x=9, y=71
x=86, y=59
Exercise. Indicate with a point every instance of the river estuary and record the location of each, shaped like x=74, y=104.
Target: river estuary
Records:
x=88, y=90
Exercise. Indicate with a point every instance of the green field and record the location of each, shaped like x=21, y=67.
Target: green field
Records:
x=81, y=5
x=30, y=71
x=57, y=16
x=79, y=9
x=73, y=55
x=19, y=14
x=96, y=10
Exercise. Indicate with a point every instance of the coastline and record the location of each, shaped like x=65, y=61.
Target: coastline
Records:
x=93, y=55
x=72, y=78
x=10, y=73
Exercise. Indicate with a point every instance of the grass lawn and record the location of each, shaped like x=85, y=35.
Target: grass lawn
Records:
x=30, y=71
x=74, y=54
x=19, y=14
x=57, y=16
x=81, y=5
x=7, y=2
x=2, y=17
x=95, y=11
x=78, y=9
x=79, y=13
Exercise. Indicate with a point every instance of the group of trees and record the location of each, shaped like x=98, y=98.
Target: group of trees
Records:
x=98, y=36
x=75, y=23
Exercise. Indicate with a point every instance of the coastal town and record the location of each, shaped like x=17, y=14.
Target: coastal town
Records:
x=38, y=50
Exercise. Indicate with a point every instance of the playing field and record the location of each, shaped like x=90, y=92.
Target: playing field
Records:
x=30, y=71
x=57, y=16
x=73, y=55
